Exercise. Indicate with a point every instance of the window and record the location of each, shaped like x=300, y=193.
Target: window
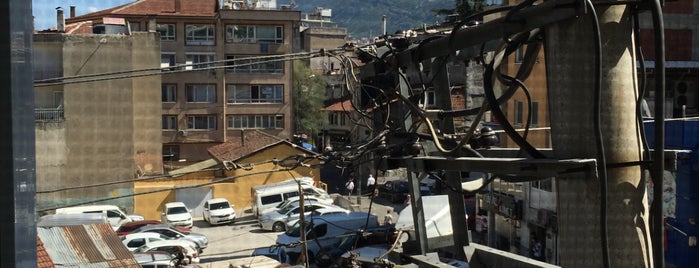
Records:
x=199, y=61
x=519, y=54
x=171, y=153
x=266, y=34
x=255, y=94
x=430, y=99
x=167, y=32
x=519, y=112
x=169, y=122
x=135, y=26
x=337, y=119
x=201, y=122
x=535, y=114
x=270, y=199
x=136, y=242
x=167, y=60
x=246, y=65
x=169, y=92
x=200, y=35
x=544, y=184
x=201, y=93
x=255, y=121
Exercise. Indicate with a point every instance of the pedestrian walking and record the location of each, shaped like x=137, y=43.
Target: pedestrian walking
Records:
x=370, y=183
x=349, y=186
x=388, y=219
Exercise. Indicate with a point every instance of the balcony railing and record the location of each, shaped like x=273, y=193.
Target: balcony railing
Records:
x=48, y=114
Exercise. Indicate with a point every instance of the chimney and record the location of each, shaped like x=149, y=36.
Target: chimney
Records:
x=72, y=12
x=178, y=6
x=61, y=21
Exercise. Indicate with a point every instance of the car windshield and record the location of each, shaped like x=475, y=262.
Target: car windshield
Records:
x=177, y=210
x=143, y=248
x=222, y=205
x=286, y=209
x=294, y=230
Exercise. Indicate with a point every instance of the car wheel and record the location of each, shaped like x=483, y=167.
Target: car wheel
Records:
x=323, y=260
x=278, y=227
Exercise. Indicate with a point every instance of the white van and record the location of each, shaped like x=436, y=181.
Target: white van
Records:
x=114, y=215
x=325, y=230
x=270, y=195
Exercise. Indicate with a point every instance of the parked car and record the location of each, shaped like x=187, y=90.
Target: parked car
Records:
x=177, y=213
x=170, y=246
x=114, y=214
x=398, y=191
x=155, y=259
x=277, y=253
x=218, y=211
x=382, y=235
x=294, y=200
x=201, y=240
x=128, y=227
x=277, y=220
x=134, y=241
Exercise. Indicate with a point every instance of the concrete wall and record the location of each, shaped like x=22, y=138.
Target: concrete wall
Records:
x=111, y=130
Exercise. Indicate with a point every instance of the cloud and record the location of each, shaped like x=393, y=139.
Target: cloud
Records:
x=92, y=9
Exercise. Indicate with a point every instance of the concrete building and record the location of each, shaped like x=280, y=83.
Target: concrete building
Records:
x=225, y=76
x=95, y=132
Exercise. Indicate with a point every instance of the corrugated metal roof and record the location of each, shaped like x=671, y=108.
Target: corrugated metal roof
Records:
x=95, y=245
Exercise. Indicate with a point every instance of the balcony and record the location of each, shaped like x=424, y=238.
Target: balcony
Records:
x=48, y=115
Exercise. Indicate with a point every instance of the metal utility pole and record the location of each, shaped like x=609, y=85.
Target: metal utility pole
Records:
x=571, y=68
x=17, y=153
x=302, y=226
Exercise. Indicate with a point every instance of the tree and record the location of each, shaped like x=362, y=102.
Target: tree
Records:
x=308, y=96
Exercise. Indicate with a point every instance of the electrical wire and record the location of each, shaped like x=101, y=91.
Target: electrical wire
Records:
x=599, y=142
x=659, y=135
x=157, y=71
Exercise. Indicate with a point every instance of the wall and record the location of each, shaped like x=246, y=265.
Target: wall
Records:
x=103, y=129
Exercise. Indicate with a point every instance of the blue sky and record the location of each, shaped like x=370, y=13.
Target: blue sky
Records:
x=45, y=10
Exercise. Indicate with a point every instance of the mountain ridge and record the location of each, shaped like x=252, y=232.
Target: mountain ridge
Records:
x=363, y=18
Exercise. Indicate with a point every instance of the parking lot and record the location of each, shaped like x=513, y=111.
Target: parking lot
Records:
x=237, y=240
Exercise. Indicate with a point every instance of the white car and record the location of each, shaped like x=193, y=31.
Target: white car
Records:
x=170, y=247
x=277, y=220
x=293, y=201
x=218, y=211
x=136, y=240
x=177, y=213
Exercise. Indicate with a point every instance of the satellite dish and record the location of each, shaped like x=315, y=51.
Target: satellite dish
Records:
x=237, y=5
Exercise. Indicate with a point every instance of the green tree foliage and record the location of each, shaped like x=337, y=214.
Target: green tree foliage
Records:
x=308, y=96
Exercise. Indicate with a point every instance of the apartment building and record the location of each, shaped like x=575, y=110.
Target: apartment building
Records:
x=220, y=74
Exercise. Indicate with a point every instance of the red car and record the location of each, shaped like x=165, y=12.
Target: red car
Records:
x=128, y=227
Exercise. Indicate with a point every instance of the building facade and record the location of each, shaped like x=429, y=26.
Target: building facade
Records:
x=223, y=69
x=96, y=131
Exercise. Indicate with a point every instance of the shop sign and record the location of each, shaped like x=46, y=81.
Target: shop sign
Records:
x=504, y=205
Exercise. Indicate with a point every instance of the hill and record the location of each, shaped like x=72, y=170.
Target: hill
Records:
x=362, y=18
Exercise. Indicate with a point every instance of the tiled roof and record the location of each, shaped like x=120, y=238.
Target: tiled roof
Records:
x=42, y=257
x=237, y=148
x=94, y=245
x=340, y=106
x=187, y=8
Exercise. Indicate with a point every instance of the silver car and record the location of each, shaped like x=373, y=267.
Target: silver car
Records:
x=277, y=220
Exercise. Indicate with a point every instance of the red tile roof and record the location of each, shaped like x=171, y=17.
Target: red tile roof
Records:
x=187, y=8
x=43, y=260
x=340, y=106
x=236, y=148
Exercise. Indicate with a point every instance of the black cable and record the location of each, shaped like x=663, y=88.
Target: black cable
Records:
x=659, y=136
x=529, y=106
x=601, y=158
x=499, y=115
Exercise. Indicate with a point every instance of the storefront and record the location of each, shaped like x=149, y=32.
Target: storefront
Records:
x=504, y=220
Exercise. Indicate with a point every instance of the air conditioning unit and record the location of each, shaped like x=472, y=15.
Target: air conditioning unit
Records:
x=182, y=132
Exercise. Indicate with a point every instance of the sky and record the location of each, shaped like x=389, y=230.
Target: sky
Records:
x=45, y=10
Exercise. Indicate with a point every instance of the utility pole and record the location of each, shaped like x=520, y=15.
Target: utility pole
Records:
x=302, y=226
x=570, y=65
